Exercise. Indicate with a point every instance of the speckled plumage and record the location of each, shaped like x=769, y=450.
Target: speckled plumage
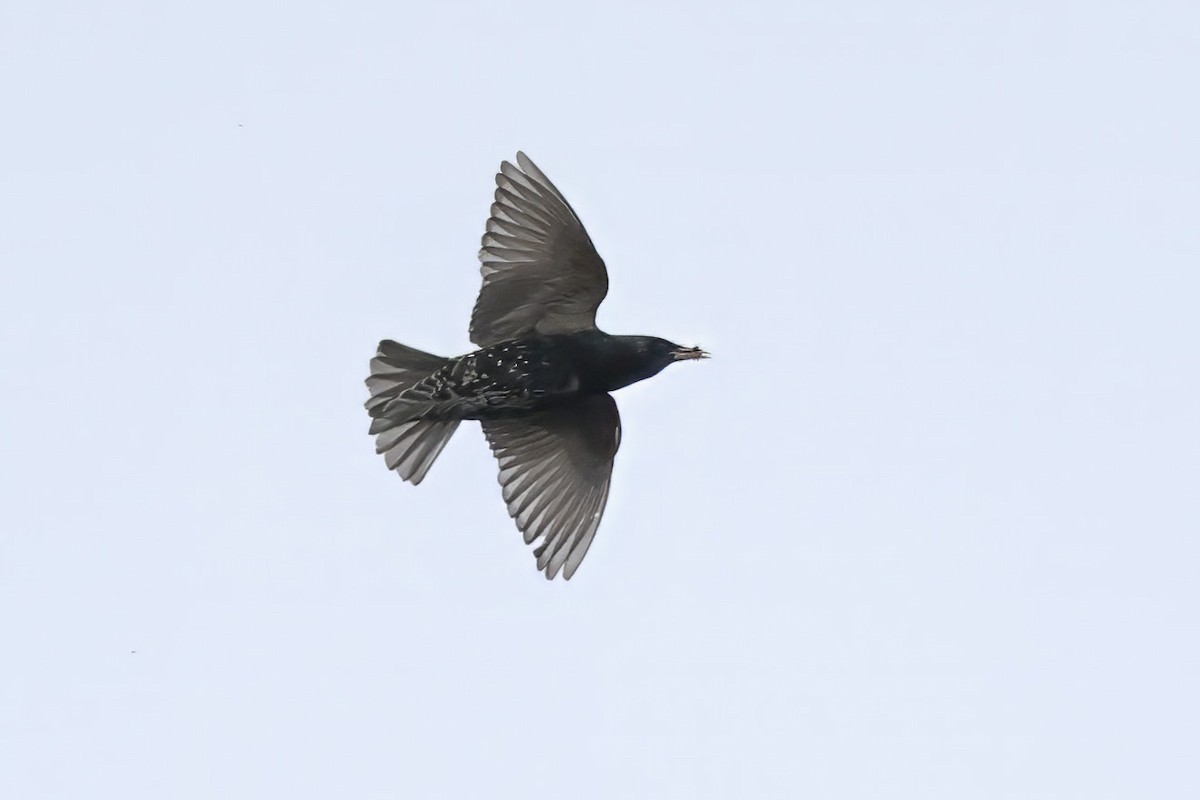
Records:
x=538, y=384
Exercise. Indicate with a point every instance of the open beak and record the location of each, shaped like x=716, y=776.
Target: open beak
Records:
x=688, y=353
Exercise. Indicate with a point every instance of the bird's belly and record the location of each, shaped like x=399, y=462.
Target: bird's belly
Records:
x=512, y=379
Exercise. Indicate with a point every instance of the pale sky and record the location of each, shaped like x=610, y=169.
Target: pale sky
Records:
x=924, y=527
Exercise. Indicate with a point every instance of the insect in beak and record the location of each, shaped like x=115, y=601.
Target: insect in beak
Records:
x=688, y=353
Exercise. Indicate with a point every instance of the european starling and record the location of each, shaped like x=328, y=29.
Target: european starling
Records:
x=540, y=382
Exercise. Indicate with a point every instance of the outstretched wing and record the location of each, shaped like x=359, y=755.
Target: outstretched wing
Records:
x=541, y=273
x=555, y=468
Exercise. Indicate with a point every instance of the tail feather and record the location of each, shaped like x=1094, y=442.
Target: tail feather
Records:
x=408, y=443
x=394, y=368
x=411, y=447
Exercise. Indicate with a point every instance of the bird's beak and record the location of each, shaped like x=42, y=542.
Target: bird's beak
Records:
x=688, y=353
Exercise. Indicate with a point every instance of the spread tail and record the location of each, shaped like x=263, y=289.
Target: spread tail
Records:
x=409, y=444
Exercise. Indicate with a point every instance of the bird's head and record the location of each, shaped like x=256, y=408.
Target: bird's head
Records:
x=660, y=353
x=635, y=358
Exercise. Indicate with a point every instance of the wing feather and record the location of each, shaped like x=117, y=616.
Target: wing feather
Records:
x=541, y=272
x=555, y=470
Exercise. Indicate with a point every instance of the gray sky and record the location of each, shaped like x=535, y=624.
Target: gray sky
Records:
x=924, y=527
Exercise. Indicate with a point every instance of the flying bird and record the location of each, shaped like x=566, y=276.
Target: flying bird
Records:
x=540, y=382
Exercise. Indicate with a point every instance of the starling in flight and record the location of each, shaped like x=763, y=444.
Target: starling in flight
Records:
x=540, y=382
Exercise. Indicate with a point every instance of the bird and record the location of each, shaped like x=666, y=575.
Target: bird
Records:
x=540, y=383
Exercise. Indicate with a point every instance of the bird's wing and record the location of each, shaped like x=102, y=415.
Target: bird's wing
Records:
x=555, y=468
x=541, y=273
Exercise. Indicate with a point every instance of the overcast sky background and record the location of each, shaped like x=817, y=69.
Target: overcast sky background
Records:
x=924, y=527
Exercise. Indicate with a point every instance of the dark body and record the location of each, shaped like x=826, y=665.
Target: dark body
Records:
x=534, y=373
